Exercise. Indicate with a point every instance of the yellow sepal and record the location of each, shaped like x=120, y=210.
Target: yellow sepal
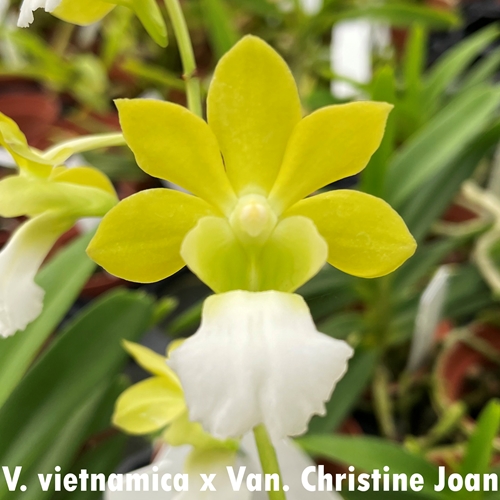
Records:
x=332, y=143
x=140, y=239
x=253, y=106
x=152, y=362
x=366, y=237
x=31, y=195
x=148, y=406
x=83, y=12
x=14, y=141
x=172, y=143
x=84, y=176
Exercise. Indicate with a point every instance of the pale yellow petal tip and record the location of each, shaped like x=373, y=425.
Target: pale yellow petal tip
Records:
x=405, y=251
x=251, y=41
x=130, y=347
x=251, y=46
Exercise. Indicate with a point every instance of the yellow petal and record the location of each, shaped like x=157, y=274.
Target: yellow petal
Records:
x=213, y=253
x=294, y=253
x=328, y=145
x=365, y=236
x=148, y=406
x=149, y=13
x=14, y=141
x=140, y=239
x=152, y=362
x=82, y=12
x=84, y=176
x=253, y=106
x=31, y=195
x=172, y=143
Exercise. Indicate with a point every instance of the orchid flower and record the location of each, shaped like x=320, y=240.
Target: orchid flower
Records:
x=252, y=234
x=53, y=197
x=157, y=405
x=86, y=12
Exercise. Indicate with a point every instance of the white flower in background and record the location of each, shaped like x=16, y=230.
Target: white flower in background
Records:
x=258, y=359
x=311, y=7
x=4, y=7
x=353, y=43
x=26, y=16
x=175, y=460
x=430, y=311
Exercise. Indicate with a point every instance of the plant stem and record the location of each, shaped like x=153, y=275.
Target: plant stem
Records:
x=268, y=459
x=193, y=88
x=62, y=38
x=383, y=403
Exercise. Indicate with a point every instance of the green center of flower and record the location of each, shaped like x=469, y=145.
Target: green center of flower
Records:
x=252, y=219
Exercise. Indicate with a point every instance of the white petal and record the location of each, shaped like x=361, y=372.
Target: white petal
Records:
x=21, y=299
x=171, y=462
x=258, y=358
x=183, y=460
x=213, y=461
x=29, y=6
x=292, y=461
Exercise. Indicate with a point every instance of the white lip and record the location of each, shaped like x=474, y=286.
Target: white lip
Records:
x=258, y=358
x=21, y=299
x=29, y=6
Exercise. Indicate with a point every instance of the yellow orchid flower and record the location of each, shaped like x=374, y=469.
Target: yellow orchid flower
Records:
x=249, y=232
x=85, y=12
x=248, y=226
x=53, y=197
x=157, y=404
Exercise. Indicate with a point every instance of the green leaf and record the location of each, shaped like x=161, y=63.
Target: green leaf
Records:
x=442, y=141
x=373, y=176
x=369, y=453
x=187, y=321
x=483, y=71
x=346, y=393
x=219, y=25
x=414, y=61
x=262, y=8
x=468, y=294
x=454, y=62
x=480, y=447
x=342, y=324
x=100, y=460
x=408, y=111
x=103, y=452
x=46, y=416
x=62, y=279
x=405, y=14
x=427, y=205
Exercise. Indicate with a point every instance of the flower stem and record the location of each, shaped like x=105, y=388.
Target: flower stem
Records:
x=268, y=459
x=193, y=88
